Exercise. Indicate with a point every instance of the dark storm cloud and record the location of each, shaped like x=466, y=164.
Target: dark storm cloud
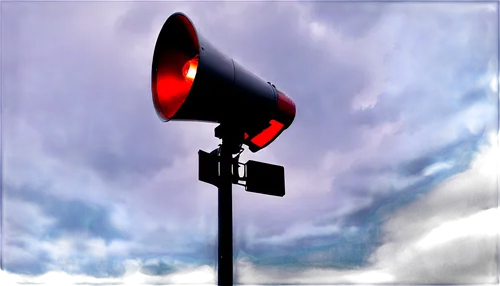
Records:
x=474, y=58
x=321, y=85
x=70, y=217
x=342, y=16
x=86, y=98
x=139, y=20
x=64, y=256
x=467, y=88
x=459, y=152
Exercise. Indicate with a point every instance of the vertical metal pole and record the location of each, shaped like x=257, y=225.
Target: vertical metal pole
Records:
x=225, y=255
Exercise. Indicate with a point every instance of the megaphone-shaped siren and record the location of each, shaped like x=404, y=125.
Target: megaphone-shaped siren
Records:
x=192, y=80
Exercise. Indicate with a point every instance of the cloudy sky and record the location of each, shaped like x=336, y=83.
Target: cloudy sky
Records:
x=391, y=162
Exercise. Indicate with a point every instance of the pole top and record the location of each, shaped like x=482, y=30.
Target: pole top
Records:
x=232, y=137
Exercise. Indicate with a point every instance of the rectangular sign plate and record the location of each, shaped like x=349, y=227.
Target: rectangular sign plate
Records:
x=208, y=167
x=264, y=178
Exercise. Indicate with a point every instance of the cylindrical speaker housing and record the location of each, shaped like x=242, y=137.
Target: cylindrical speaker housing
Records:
x=192, y=80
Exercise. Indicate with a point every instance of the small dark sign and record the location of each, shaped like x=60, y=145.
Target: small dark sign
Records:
x=208, y=168
x=264, y=178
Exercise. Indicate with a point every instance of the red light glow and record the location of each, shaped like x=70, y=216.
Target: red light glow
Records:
x=268, y=134
x=172, y=92
x=189, y=69
x=171, y=87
